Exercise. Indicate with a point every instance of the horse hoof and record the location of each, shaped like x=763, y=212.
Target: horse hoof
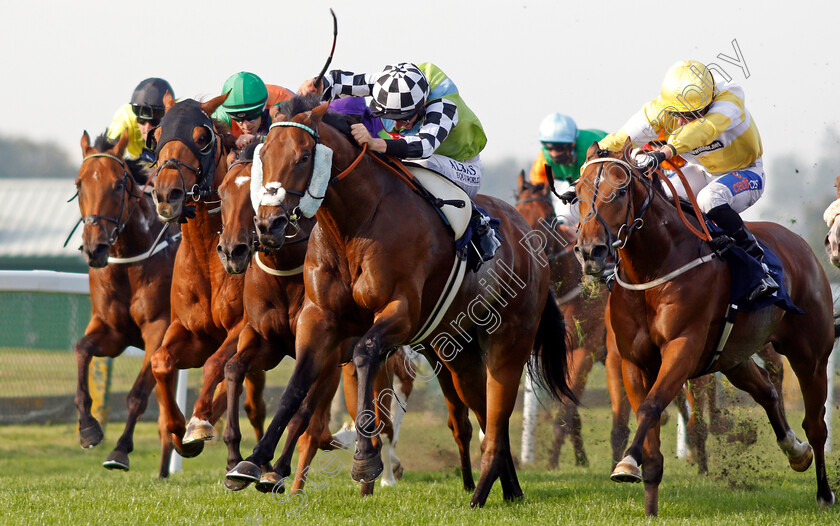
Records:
x=269, y=481
x=826, y=503
x=91, y=436
x=803, y=461
x=398, y=471
x=116, y=460
x=626, y=471
x=193, y=449
x=366, y=470
x=244, y=472
x=198, y=431
x=235, y=485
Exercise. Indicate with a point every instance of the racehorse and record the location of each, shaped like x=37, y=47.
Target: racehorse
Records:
x=207, y=310
x=664, y=316
x=365, y=276
x=272, y=296
x=130, y=254
x=583, y=308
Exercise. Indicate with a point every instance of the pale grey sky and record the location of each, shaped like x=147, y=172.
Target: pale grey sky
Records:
x=67, y=66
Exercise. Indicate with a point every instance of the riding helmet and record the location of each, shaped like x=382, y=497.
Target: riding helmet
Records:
x=399, y=92
x=688, y=87
x=558, y=128
x=247, y=95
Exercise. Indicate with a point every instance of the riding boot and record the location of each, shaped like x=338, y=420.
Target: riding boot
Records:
x=488, y=243
x=744, y=239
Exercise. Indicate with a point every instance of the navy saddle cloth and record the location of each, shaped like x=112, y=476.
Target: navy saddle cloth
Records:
x=747, y=273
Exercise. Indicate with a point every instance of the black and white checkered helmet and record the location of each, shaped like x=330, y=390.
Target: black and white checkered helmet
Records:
x=399, y=92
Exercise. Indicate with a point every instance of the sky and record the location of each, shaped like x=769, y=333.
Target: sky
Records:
x=67, y=66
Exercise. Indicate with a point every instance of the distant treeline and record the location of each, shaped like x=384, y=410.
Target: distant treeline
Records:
x=25, y=158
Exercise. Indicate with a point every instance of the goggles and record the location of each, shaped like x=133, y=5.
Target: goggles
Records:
x=148, y=113
x=242, y=116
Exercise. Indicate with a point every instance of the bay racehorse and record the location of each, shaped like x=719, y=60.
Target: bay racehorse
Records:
x=583, y=309
x=130, y=254
x=375, y=267
x=666, y=324
x=207, y=310
x=272, y=297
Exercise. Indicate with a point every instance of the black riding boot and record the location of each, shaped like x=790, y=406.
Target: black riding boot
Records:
x=488, y=243
x=744, y=239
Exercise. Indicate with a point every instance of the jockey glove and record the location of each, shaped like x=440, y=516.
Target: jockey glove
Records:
x=652, y=160
x=567, y=197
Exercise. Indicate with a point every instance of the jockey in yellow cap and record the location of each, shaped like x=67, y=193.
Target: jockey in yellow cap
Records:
x=706, y=123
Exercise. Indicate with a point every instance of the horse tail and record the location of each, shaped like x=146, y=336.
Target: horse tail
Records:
x=549, y=368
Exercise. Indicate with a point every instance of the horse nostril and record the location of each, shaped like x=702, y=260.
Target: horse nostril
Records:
x=220, y=250
x=278, y=225
x=176, y=195
x=240, y=251
x=599, y=251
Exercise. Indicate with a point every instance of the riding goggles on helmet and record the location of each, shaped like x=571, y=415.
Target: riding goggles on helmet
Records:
x=249, y=115
x=148, y=113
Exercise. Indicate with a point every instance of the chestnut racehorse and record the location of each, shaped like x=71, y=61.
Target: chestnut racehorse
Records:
x=667, y=332
x=272, y=297
x=207, y=312
x=130, y=255
x=376, y=265
x=583, y=309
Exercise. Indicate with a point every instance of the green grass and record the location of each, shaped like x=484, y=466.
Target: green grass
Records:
x=45, y=478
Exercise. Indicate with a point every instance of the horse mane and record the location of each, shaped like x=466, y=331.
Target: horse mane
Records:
x=246, y=154
x=137, y=168
x=301, y=103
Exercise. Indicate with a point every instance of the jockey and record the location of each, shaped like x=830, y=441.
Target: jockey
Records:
x=708, y=125
x=564, y=150
x=245, y=111
x=139, y=116
x=429, y=124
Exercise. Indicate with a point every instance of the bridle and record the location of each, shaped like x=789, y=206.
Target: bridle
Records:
x=118, y=221
x=615, y=241
x=203, y=174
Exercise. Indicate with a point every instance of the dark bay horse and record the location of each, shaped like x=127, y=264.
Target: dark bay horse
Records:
x=583, y=308
x=273, y=296
x=666, y=333
x=130, y=275
x=376, y=265
x=207, y=310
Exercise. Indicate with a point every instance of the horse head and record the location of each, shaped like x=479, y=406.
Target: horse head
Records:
x=188, y=152
x=105, y=188
x=238, y=214
x=832, y=240
x=295, y=173
x=612, y=200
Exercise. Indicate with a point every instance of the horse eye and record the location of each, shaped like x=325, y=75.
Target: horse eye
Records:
x=304, y=158
x=118, y=186
x=622, y=192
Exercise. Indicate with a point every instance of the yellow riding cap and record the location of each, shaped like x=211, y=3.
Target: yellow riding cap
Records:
x=688, y=86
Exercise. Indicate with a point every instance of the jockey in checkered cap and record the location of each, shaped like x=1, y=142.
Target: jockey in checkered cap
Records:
x=428, y=122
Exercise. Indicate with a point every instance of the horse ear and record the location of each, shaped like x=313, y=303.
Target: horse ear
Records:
x=319, y=112
x=593, y=150
x=85, y=142
x=276, y=116
x=119, y=149
x=520, y=182
x=212, y=105
x=168, y=100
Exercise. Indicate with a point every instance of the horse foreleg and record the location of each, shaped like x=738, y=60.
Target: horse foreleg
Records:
x=580, y=364
x=619, y=403
x=697, y=395
x=458, y=422
x=138, y=399
x=98, y=340
x=200, y=427
x=254, y=401
x=313, y=345
x=179, y=345
x=390, y=327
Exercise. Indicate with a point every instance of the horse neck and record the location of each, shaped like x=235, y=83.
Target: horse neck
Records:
x=141, y=228
x=351, y=203
x=661, y=245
